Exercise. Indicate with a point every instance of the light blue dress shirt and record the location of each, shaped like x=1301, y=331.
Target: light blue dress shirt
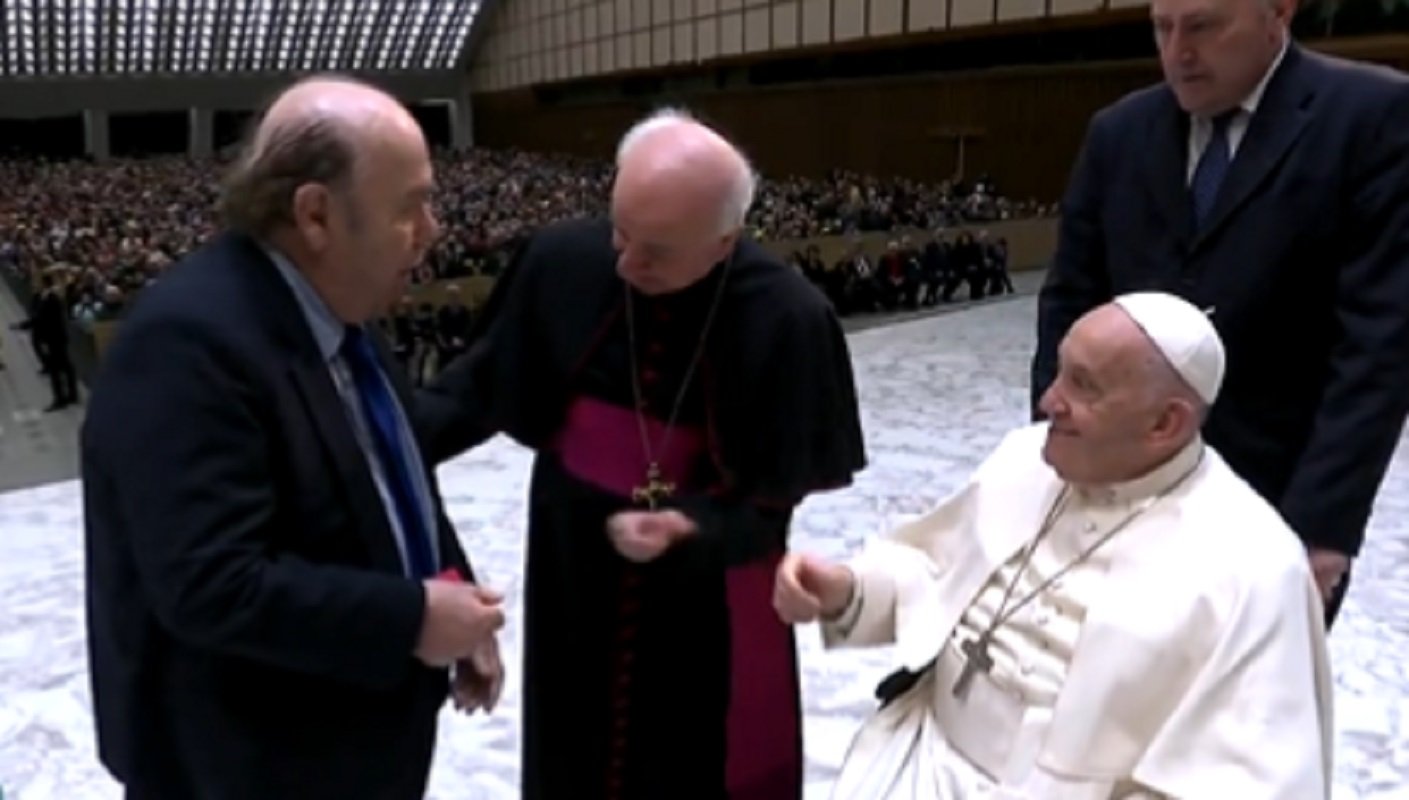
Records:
x=328, y=333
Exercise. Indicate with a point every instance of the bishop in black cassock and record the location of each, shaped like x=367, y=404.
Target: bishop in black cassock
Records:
x=672, y=678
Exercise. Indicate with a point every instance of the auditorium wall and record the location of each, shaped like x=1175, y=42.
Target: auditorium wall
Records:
x=1020, y=125
x=527, y=42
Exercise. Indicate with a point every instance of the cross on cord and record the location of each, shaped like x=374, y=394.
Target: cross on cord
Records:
x=655, y=489
x=976, y=660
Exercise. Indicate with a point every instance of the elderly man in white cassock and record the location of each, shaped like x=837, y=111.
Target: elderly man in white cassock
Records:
x=1103, y=611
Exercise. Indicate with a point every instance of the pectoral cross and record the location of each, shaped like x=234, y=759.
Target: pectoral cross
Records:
x=976, y=660
x=655, y=490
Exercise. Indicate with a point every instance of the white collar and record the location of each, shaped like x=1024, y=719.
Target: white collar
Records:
x=1254, y=98
x=1160, y=479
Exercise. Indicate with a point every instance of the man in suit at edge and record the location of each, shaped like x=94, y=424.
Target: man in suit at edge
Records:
x=1270, y=186
x=270, y=613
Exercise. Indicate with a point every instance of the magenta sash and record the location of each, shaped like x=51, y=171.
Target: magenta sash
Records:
x=600, y=444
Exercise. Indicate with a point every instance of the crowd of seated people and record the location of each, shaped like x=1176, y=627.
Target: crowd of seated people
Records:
x=105, y=230
x=845, y=202
x=907, y=276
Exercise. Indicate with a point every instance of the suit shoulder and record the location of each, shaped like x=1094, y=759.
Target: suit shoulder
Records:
x=763, y=279
x=1356, y=81
x=567, y=234
x=1133, y=108
x=208, y=295
x=203, y=283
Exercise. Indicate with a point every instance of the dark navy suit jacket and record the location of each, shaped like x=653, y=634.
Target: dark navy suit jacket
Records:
x=251, y=628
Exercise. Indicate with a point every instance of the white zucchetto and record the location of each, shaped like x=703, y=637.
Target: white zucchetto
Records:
x=1185, y=336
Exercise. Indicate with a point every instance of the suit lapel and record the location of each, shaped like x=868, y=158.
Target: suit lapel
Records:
x=406, y=395
x=312, y=381
x=349, y=463
x=1166, y=162
x=1280, y=120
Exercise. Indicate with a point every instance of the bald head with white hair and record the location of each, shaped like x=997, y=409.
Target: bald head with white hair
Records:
x=679, y=201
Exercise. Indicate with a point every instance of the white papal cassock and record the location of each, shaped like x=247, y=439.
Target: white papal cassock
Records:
x=1185, y=659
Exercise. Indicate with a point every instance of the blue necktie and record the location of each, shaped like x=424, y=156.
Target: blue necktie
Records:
x=380, y=407
x=1212, y=168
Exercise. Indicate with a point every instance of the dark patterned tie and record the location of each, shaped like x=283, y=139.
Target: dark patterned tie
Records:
x=1212, y=168
x=385, y=427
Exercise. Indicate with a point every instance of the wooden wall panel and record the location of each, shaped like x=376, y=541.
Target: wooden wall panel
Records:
x=1076, y=6
x=887, y=18
x=731, y=33
x=683, y=48
x=707, y=37
x=785, y=25
x=1012, y=10
x=660, y=46
x=606, y=55
x=848, y=19
x=758, y=30
x=1026, y=123
x=816, y=21
x=927, y=17
x=964, y=13
x=624, y=57
x=606, y=18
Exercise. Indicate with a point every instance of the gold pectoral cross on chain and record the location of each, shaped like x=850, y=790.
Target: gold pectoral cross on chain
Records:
x=655, y=489
x=976, y=660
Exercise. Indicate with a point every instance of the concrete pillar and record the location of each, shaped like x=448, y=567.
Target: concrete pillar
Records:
x=201, y=142
x=95, y=135
x=462, y=122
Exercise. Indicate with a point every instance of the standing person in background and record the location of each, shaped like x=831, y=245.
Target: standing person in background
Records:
x=1270, y=186
x=48, y=328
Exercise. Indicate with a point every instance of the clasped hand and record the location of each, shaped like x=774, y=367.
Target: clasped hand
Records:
x=459, y=627
x=642, y=536
x=807, y=588
x=1329, y=567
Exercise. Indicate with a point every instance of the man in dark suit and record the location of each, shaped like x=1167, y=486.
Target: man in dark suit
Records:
x=48, y=327
x=452, y=327
x=1269, y=185
x=274, y=592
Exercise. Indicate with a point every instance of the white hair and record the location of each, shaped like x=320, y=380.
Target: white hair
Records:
x=743, y=184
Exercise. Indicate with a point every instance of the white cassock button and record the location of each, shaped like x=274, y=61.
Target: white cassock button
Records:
x=1025, y=668
x=1090, y=527
x=1043, y=617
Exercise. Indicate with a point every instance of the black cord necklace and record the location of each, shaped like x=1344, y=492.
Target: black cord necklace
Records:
x=656, y=488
